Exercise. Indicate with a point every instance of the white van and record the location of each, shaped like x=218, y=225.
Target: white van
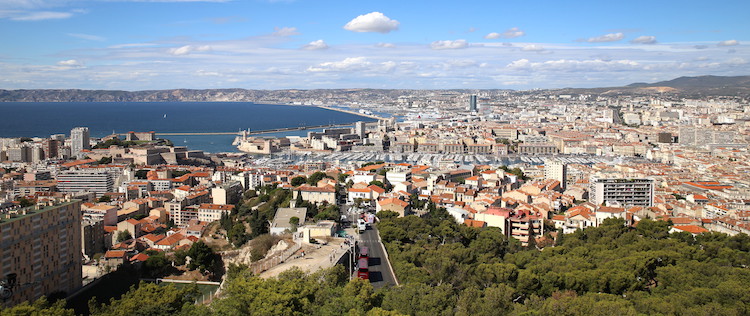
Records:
x=361, y=225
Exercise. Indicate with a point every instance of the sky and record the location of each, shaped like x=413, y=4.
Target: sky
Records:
x=406, y=44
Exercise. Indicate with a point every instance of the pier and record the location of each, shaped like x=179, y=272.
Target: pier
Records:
x=375, y=117
x=265, y=131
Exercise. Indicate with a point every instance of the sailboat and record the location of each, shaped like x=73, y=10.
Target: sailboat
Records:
x=165, y=115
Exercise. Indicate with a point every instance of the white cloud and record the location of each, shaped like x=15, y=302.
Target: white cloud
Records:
x=493, y=35
x=385, y=45
x=568, y=65
x=71, y=63
x=187, y=49
x=35, y=15
x=316, y=45
x=644, y=40
x=532, y=48
x=700, y=46
x=87, y=36
x=611, y=37
x=728, y=43
x=736, y=61
x=285, y=31
x=372, y=22
x=457, y=44
x=348, y=64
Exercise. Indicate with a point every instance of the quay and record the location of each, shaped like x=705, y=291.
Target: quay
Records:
x=375, y=117
x=265, y=131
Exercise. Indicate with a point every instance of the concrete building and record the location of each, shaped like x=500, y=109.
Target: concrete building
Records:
x=86, y=180
x=79, y=140
x=227, y=193
x=556, y=170
x=41, y=244
x=212, y=212
x=92, y=237
x=281, y=223
x=622, y=192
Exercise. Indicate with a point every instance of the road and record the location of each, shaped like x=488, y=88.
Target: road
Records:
x=380, y=271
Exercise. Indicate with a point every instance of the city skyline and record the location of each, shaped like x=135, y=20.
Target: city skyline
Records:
x=140, y=45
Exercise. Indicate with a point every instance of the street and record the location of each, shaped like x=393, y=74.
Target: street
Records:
x=380, y=271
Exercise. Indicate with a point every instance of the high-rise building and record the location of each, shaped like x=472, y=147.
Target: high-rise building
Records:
x=359, y=129
x=473, y=103
x=41, y=246
x=49, y=146
x=79, y=140
x=625, y=192
x=556, y=170
x=86, y=180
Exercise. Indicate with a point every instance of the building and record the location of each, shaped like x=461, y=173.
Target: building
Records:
x=316, y=194
x=86, y=180
x=359, y=129
x=212, y=212
x=281, y=223
x=92, y=237
x=227, y=193
x=622, y=192
x=79, y=140
x=41, y=245
x=537, y=149
x=473, y=104
x=556, y=170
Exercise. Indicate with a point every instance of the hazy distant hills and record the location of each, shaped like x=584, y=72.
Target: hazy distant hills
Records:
x=684, y=86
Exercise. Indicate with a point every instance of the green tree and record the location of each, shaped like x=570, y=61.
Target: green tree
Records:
x=148, y=299
x=39, y=307
x=202, y=257
x=124, y=235
x=297, y=181
x=105, y=199
x=315, y=177
x=294, y=221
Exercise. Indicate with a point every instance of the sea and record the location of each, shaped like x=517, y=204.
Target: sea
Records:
x=42, y=119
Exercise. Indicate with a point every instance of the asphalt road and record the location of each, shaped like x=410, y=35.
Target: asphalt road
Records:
x=380, y=272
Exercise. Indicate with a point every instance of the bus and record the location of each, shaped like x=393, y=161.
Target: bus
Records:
x=363, y=271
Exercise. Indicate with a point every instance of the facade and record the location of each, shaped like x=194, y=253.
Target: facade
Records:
x=537, y=149
x=623, y=192
x=42, y=246
x=228, y=193
x=557, y=171
x=92, y=237
x=212, y=212
x=473, y=103
x=86, y=180
x=79, y=140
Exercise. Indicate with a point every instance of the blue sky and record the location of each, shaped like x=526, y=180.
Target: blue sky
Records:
x=262, y=44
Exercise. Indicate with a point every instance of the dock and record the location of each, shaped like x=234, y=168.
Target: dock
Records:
x=265, y=131
x=374, y=117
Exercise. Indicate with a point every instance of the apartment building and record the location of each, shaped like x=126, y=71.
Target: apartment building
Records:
x=41, y=245
x=622, y=192
x=86, y=180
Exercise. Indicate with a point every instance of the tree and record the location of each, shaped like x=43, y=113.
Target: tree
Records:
x=294, y=221
x=124, y=235
x=297, y=181
x=141, y=174
x=39, y=307
x=149, y=299
x=377, y=183
x=105, y=160
x=105, y=199
x=202, y=257
x=342, y=177
x=24, y=202
x=238, y=234
x=315, y=177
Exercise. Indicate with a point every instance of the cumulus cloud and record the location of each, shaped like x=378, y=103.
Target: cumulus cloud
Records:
x=348, y=64
x=72, y=63
x=728, y=43
x=509, y=33
x=372, y=22
x=285, y=31
x=187, y=49
x=611, y=37
x=644, y=40
x=457, y=44
x=316, y=45
x=385, y=45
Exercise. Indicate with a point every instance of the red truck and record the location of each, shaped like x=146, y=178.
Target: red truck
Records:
x=363, y=271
